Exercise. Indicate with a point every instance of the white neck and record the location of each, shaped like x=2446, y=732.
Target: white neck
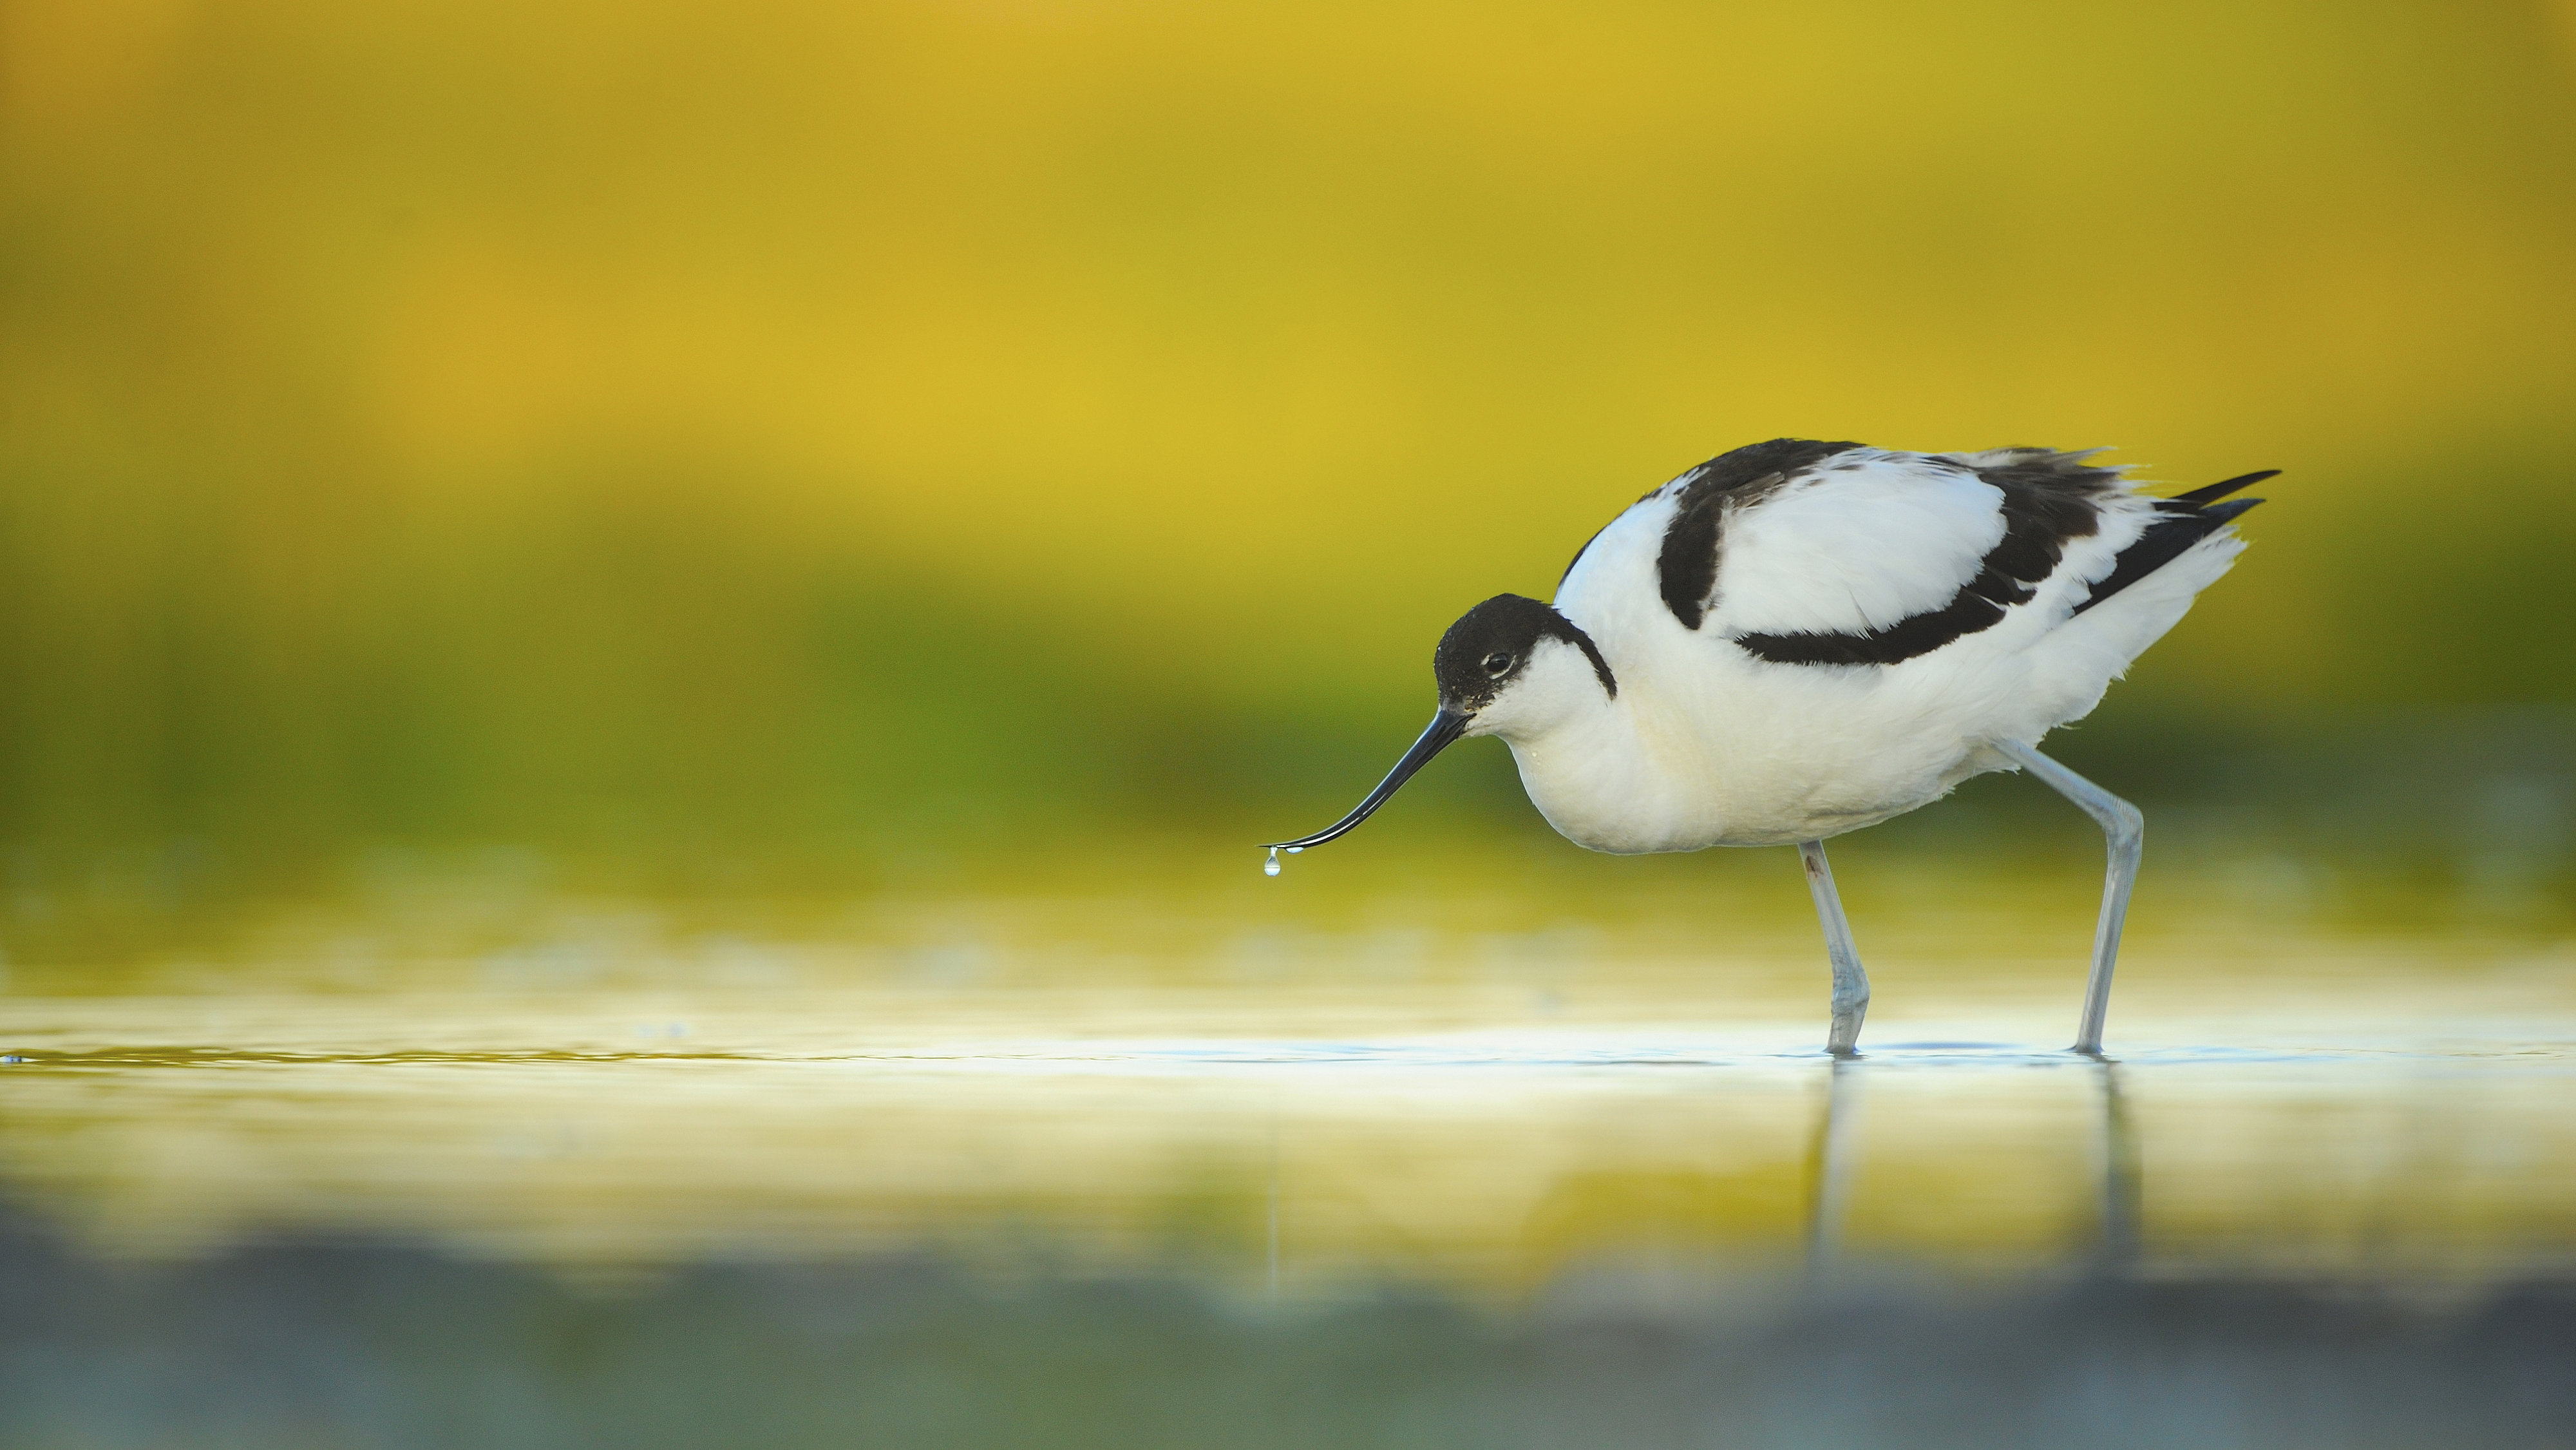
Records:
x=1602, y=777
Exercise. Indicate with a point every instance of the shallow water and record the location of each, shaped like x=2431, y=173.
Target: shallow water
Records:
x=1435, y=1091
x=1353, y=1090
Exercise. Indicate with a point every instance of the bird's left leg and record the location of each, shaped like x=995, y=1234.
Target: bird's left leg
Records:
x=1851, y=984
x=2124, y=831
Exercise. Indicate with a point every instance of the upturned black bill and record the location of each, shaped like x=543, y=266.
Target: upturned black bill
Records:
x=1446, y=727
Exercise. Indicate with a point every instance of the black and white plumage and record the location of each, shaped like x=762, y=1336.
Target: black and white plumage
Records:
x=1798, y=638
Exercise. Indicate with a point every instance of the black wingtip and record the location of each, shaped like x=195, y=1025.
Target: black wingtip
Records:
x=2166, y=539
x=2211, y=493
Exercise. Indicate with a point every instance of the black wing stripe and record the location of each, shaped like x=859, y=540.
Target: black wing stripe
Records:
x=2044, y=505
x=2165, y=540
x=1966, y=613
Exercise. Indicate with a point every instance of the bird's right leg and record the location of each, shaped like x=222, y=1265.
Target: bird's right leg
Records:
x=1851, y=984
x=2123, y=831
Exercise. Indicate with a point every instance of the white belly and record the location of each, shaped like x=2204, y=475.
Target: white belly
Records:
x=1742, y=789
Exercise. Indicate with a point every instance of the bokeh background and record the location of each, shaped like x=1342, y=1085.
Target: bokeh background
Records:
x=781, y=440
x=642, y=644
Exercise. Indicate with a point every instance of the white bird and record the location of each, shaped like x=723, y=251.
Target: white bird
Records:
x=1798, y=639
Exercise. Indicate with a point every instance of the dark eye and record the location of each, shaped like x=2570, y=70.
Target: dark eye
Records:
x=1497, y=663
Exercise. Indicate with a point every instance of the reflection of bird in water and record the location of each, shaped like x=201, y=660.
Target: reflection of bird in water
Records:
x=1829, y=1164
x=2123, y=1180
x=1833, y=1160
x=1798, y=639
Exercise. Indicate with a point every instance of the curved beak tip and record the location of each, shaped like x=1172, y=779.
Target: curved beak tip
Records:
x=1445, y=729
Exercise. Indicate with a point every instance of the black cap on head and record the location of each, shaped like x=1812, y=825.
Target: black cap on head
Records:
x=1491, y=644
x=1479, y=655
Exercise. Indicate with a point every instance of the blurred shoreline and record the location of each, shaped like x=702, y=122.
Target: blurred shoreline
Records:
x=2459, y=819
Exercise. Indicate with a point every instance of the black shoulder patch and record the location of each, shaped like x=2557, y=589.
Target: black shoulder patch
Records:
x=2048, y=499
x=1686, y=569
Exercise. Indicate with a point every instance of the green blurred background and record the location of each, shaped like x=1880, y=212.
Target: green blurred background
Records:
x=706, y=438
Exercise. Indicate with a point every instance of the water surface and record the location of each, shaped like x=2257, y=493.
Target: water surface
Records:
x=1442, y=1161
x=1419, y=1088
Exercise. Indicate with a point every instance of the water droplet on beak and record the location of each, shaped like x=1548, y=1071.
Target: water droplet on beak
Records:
x=1271, y=866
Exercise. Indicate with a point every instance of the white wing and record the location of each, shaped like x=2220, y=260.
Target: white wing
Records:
x=1810, y=553
x=1858, y=543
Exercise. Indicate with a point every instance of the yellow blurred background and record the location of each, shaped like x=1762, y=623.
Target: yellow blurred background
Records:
x=668, y=430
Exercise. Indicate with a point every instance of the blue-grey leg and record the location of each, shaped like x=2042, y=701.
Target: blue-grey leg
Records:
x=2124, y=833
x=1851, y=984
